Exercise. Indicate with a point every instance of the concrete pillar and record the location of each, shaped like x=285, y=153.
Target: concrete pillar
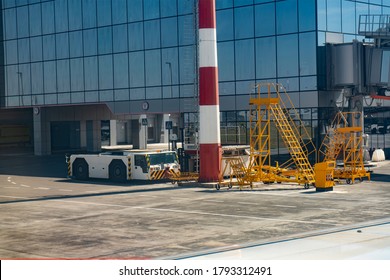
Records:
x=42, y=145
x=164, y=130
x=113, y=138
x=143, y=133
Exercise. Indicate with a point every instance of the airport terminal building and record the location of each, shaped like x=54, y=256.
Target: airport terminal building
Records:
x=78, y=75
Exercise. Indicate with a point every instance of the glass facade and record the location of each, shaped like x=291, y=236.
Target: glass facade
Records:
x=71, y=51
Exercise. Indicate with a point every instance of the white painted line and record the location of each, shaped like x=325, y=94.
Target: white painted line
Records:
x=13, y=183
x=9, y=178
x=247, y=203
x=91, y=191
x=285, y=206
x=41, y=188
x=65, y=190
x=25, y=186
x=146, y=195
x=7, y=196
x=218, y=201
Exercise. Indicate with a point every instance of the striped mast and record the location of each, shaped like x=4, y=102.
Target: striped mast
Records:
x=209, y=131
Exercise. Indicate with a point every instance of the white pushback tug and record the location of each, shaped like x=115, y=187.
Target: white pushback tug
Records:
x=121, y=166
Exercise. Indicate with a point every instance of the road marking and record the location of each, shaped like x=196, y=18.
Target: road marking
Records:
x=11, y=187
x=41, y=188
x=284, y=206
x=218, y=201
x=247, y=203
x=146, y=195
x=65, y=190
x=13, y=183
x=25, y=186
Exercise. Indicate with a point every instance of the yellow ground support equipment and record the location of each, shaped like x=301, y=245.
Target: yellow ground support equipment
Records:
x=344, y=144
x=178, y=176
x=272, y=107
x=324, y=172
x=239, y=174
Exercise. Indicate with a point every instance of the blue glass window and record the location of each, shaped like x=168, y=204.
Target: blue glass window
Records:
x=120, y=38
x=49, y=48
x=226, y=67
x=61, y=15
x=11, y=48
x=170, y=66
x=225, y=25
x=77, y=74
x=104, y=12
x=105, y=40
x=137, y=94
x=121, y=94
x=168, y=8
x=307, y=53
x=169, y=32
x=121, y=70
x=244, y=25
x=348, y=18
x=361, y=9
x=136, y=36
x=242, y=2
x=153, y=93
x=63, y=76
x=334, y=15
x=25, y=80
x=222, y=4
x=105, y=72
x=10, y=24
x=187, y=64
x=134, y=10
x=307, y=15
x=153, y=68
x=186, y=6
x=23, y=26
x=9, y=3
x=76, y=43
x=245, y=59
x=321, y=14
x=89, y=13
x=90, y=42
x=186, y=30
x=35, y=20
x=12, y=79
x=37, y=78
x=265, y=58
x=91, y=73
x=151, y=9
x=47, y=17
x=287, y=17
x=49, y=72
x=137, y=69
x=152, y=34
x=62, y=45
x=75, y=16
x=119, y=11
x=287, y=53
x=265, y=19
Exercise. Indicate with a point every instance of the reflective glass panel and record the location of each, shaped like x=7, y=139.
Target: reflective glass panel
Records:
x=265, y=58
x=119, y=38
x=10, y=24
x=77, y=74
x=119, y=11
x=76, y=43
x=62, y=45
x=186, y=30
x=75, y=16
x=11, y=48
x=186, y=6
x=222, y=4
x=24, y=79
x=136, y=36
x=151, y=9
x=91, y=73
x=169, y=32
x=37, y=78
x=307, y=15
x=153, y=93
x=225, y=25
x=49, y=72
x=243, y=20
x=63, y=76
x=134, y=10
x=61, y=15
x=307, y=53
x=348, y=17
x=89, y=13
x=35, y=20
x=121, y=71
x=47, y=17
x=104, y=12
x=23, y=26
x=49, y=48
x=226, y=67
x=137, y=69
x=137, y=93
x=105, y=72
x=168, y=8
x=245, y=59
x=90, y=42
x=153, y=68
x=334, y=15
x=152, y=34
x=170, y=73
x=265, y=19
x=105, y=40
x=13, y=79
x=242, y=2
x=287, y=53
x=187, y=66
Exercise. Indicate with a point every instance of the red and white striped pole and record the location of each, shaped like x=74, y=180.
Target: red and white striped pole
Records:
x=209, y=131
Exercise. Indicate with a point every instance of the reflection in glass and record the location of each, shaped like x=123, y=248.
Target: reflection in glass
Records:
x=35, y=20
x=226, y=61
x=76, y=44
x=187, y=64
x=10, y=24
x=90, y=42
x=169, y=32
x=137, y=69
x=63, y=76
x=151, y=9
x=37, y=78
x=286, y=16
x=121, y=70
x=62, y=45
x=245, y=59
x=120, y=38
x=136, y=36
x=287, y=55
x=22, y=18
x=265, y=58
x=186, y=30
x=49, y=49
x=168, y=8
x=265, y=19
x=91, y=73
x=61, y=15
x=225, y=25
x=105, y=72
x=152, y=34
x=75, y=17
x=134, y=10
x=49, y=76
x=77, y=74
x=89, y=13
x=307, y=53
x=153, y=68
x=119, y=10
x=104, y=12
x=47, y=17
x=105, y=40
x=11, y=48
x=307, y=15
x=243, y=20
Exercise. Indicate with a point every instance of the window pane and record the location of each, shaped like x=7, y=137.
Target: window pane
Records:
x=89, y=13
x=76, y=44
x=47, y=17
x=62, y=45
x=287, y=55
x=307, y=53
x=168, y=8
x=75, y=18
x=226, y=61
x=170, y=66
x=35, y=20
x=265, y=58
x=105, y=72
x=61, y=13
x=23, y=28
x=153, y=68
x=244, y=25
x=151, y=9
x=152, y=34
x=90, y=42
x=134, y=10
x=136, y=36
x=119, y=11
x=49, y=70
x=91, y=73
x=105, y=40
x=187, y=64
x=137, y=69
x=153, y=93
x=121, y=94
x=186, y=30
x=37, y=78
x=77, y=74
x=24, y=80
x=321, y=14
x=265, y=19
x=120, y=38
x=12, y=80
x=63, y=76
x=245, y=60
x=348, y=18
x=225, y=25
x=10, y=24
x=11, y=48
x=49, y=47
x=307, y=15
x=104, y=12
x=137, y=94
x=169, y=32
x=121, y=71
x=334, y=15
x=186, y=6
x=286, y=14
x=222, y=4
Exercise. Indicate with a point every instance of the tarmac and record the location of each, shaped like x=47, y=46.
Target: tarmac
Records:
x=44, y=215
